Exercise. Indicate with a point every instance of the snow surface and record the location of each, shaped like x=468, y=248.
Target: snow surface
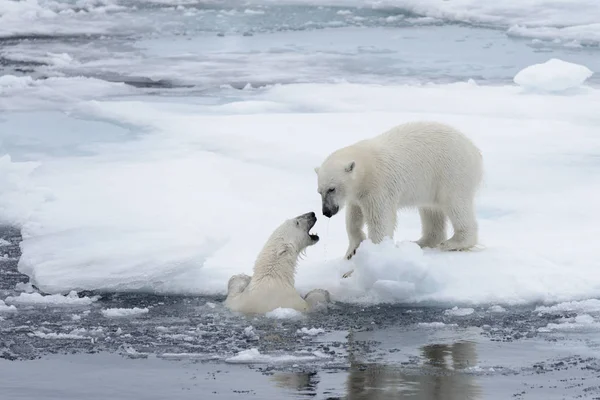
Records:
x=70, y=299
x=193, y=198
x=553, y=76
x=123, y=312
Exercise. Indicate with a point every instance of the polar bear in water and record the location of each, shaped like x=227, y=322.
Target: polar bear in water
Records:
x=272, y=284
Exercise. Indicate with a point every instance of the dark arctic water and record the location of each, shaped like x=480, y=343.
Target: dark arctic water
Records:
x=183, y=347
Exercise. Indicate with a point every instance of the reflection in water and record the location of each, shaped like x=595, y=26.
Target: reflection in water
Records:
x=297, y=382
x=439, y=378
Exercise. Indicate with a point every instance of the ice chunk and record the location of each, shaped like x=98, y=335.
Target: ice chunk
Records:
x=585, y=306
x=5, y=308
x=582, y=322
x=250, y=334
x=310, y=332
x=123, y=312
x=253, y=356
x=496, y=309
x=435, y=325
x=552, y=76
x=72, y=299
x=459, y=312
x=284, y=313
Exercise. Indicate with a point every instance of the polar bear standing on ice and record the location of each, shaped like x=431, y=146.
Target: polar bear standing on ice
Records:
x=272, y=284
x=427, y=165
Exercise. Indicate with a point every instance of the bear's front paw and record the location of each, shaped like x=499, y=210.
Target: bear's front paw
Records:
x=350, y=254
x=348, y=274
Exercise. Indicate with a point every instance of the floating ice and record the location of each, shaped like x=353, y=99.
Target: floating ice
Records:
x=79, y=333
x=585, y=306
x=253, y=356
x=435, y=325
x=123, y=312
x=582, y=322
x=310, y=332
x=496, y=309
x=459, y=312
x=5, y=308
x=250, y=334
x=284, y=313
x=552, y=76
x=51, y=300
x=4, y=243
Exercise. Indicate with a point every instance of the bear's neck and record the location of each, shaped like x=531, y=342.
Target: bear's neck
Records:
x=271, y=266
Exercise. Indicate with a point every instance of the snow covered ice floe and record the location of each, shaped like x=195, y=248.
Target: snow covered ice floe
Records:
x=553, y=76
x=181, y=209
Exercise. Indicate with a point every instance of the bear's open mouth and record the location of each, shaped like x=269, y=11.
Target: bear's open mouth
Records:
x=313, y=236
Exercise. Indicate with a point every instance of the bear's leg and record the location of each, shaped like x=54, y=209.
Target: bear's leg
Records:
x=433, y=227
x=354, y=227
x=381, y=224
x=465, y=227
x=317, y=299
x=237, y=284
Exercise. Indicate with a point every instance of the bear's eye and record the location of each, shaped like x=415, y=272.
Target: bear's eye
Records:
x=331, y=190
x=297, y=223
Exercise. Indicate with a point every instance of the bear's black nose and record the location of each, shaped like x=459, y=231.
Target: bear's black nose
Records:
x=312, y=215
x=327, y=212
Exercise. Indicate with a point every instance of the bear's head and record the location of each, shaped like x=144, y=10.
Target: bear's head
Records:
x=294, y=235
x=335, y=181
x=280, y=254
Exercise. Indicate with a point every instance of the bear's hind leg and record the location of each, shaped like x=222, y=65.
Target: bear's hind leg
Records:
x=464, y=225
x=433, y=227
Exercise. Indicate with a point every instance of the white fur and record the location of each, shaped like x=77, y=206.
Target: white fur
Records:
x=272, y=283
x=427, y=165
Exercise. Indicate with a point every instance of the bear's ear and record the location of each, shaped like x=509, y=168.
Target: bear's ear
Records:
x=317, y=170
x=350, y=167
